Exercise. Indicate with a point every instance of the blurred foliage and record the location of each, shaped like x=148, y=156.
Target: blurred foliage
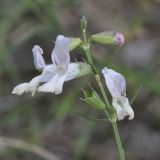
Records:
x=46, y=118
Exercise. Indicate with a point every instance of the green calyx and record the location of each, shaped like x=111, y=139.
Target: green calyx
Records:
x=104, y=37
x=85, y=69
x=92, y=98
x=73, y=43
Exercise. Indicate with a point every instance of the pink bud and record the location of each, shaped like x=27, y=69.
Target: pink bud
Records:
x=119, y=38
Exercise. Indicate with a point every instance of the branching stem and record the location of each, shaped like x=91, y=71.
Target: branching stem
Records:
x=109, y=111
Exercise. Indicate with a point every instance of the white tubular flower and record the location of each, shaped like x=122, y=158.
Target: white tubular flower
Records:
x=53, y=75
x=117, y=87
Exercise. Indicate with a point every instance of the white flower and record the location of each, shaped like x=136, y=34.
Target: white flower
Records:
x=117, y=87
x=53, y=75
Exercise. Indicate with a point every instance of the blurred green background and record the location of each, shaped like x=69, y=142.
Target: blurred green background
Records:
x=52, y=121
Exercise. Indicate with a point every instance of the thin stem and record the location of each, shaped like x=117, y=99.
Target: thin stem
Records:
x=97, y=77
x=86, y=48
x=118, y=141
x=108, y=111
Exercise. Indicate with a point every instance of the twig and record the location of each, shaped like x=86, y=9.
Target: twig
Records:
x=10, y=142
x=136, y=94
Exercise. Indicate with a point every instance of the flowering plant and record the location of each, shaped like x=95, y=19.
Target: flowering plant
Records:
x=54, y=75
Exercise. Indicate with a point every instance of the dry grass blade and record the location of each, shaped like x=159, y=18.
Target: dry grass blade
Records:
x=10, y=142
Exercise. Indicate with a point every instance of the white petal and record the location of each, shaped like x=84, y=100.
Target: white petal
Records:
x=123, y=108
x=27, y=87
x=115, y=82
x=72, y=71
x=128, y=108
x=33, y=84
x=60, y=82
x=118, y=109
x=38, y=59
x=48, y=73
x=20, y=89
x=60, y=53
x=55, y=85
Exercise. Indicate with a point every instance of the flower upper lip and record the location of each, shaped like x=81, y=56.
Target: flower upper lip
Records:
x=60, y=53
x=115, y=82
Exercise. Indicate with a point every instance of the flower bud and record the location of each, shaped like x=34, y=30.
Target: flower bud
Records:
x=92, y=98
x=119, y=39
x=73, y=43
x=111, y=37
x=83, y=23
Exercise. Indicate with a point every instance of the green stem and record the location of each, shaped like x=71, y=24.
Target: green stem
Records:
x=86, y=48
x=97, y=77
x=109, y=110
x=118, y=141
